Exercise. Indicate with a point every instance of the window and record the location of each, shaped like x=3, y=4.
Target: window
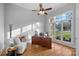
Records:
x=14, y=33
x=27, y=28
x=38, y=30
x=38, y=24
x=31, y=27
x=63, y=26
x=8, y=35
x=58, y=30
x=36, y=27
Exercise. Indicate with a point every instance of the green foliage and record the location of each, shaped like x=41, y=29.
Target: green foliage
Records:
x=67, y=35
x=12, y=45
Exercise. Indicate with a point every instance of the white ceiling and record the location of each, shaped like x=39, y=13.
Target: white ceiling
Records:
x=32, y=6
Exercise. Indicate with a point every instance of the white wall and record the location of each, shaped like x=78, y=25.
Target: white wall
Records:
x=60, y=11
x=77, y=29
x=19, y=17
x=1, y=26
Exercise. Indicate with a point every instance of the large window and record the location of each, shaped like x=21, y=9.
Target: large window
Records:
x=29, y=29
x=63, y=26
x=14, y=33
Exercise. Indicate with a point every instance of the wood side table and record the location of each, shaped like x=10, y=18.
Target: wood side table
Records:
x=12, y=51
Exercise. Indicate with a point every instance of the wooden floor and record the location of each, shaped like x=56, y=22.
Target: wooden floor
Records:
x=57, y=50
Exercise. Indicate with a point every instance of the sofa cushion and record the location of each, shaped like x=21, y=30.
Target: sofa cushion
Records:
x=17, y=41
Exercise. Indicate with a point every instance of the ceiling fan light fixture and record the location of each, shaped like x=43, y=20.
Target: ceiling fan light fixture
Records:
x=41, y=12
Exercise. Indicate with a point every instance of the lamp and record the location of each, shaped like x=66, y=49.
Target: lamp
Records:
x=41, y=12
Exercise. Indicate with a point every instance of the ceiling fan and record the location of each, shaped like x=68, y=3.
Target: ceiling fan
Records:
x=42, y=10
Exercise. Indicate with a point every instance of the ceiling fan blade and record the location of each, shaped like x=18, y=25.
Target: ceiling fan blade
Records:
x=48, y=9
x=35, y=10
x=45, y=13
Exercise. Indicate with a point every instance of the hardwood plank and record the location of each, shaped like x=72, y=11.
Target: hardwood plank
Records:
x=57, y=50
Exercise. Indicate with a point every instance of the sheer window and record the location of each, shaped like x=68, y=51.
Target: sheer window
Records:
x=38, y=24
x=14, y=33
x=27, y=28
x=36, y=27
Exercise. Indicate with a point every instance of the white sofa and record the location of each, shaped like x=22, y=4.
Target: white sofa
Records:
x=21, y=45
